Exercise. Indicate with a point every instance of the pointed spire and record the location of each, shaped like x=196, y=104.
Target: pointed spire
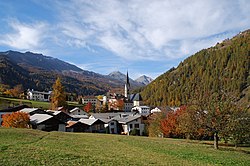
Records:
x=128, y=80
x=127, y=87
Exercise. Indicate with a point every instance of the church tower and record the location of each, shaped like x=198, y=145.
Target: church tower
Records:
x=127, y=87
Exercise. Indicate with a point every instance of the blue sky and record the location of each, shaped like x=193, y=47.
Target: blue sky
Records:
x=142, y=36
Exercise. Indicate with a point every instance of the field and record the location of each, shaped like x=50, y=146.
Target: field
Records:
x=32, y=147
x=6, y=102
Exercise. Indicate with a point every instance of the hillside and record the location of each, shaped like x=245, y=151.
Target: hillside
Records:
x=12, y=74
x=57, y=148
x=36, y=71
x=223, y=68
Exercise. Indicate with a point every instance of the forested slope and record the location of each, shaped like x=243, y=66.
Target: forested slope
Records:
x=223, y=68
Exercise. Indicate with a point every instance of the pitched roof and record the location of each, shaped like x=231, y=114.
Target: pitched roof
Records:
x=88, y=121
x=28, y=110
x=80, y=116
x=135, y=97
x=127, y=119
x=39, y=118
x=76, y=109
x=106, y=120
x=45, y=93
x=53, y=112
x=110, y=115
x=71, y=123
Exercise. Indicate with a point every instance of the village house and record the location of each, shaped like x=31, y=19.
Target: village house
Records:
x=38, y=96
x=142, y=110
x=113, y=126
x=76, y=126
x=77, y=111
x=121, y=122
x=32, y=111
x=60, y=115
x=167, y=108
x=109, y=115
x=155, y=110
x=130, y=123
x=94, y=125
x=128, y=105
x=46, y=122
x=91, y=99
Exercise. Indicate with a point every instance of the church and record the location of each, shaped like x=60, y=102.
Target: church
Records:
x=127, y=99
x=130, y=100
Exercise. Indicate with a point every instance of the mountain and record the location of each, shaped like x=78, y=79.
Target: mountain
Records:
x=117, y=75
x=223, y=68
x=31, y=60
x=36, y=71
x=144, y=80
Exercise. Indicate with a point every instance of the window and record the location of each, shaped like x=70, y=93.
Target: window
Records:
x=137, y=126
x=131, y=126
x=112, y=123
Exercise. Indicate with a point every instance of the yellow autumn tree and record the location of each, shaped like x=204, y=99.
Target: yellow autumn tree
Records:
x=58, y=98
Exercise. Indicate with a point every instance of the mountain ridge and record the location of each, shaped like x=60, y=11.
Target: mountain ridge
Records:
x=37, y=71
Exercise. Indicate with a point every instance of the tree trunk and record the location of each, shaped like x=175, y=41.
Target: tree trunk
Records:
x=216, y=140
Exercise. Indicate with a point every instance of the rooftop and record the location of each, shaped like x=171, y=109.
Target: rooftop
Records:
x=28, y=110
x=39, y=118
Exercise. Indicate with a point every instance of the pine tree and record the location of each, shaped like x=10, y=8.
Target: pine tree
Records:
x=58, y=98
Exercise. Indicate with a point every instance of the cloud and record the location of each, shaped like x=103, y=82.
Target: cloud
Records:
x=152, y=29
x=108, y=35
x=25, y=36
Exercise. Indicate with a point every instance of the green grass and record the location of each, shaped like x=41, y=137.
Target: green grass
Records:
x=31, y=147
x=6, y=102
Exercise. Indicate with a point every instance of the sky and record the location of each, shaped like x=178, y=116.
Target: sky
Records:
x=145, y=37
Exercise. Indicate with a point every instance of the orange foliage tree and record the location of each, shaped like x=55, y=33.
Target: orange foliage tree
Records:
x=119, y=104
x=16, y=120
x=170, y=124
x=88, y=107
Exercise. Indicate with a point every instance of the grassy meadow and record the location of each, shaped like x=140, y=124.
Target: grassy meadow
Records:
x=32, y=147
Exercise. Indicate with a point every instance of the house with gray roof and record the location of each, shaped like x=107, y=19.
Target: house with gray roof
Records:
x=130, y=123
x=77, y=111
x=46, y=122
x=122, y=122
x=32, y=111
x=142, y=110
x=94, y=125
x=76, y=126
x=60, y=115
x=109, y=115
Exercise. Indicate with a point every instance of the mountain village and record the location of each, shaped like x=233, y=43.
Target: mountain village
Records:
x=126, y=114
